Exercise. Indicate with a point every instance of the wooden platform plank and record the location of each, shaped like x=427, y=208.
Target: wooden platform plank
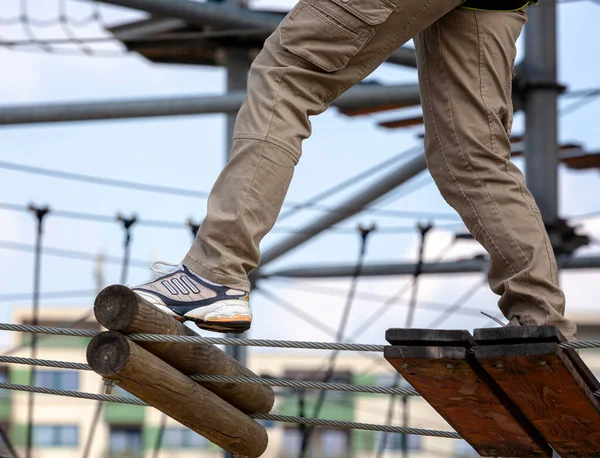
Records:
x=517, y=335
x=435, y=337
x=535, y=334
x=550, y=386
x=450, y=379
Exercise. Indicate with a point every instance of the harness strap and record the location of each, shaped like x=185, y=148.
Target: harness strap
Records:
x=497, y=5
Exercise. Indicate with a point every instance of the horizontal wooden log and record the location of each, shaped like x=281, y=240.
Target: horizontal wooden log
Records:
x=551, y=386
x=143, y=374
x=118, y=308
x=449, y=379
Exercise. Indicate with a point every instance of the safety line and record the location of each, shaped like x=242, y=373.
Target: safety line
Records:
x=165, y=224
x=201, y=194
x=241, y=342
x=279, y=418
x=308, y=385
x=302, y=384
x=199, y=339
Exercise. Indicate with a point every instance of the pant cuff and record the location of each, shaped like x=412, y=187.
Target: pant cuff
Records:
x=216, y=277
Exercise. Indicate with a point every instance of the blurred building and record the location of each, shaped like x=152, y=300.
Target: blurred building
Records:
x=62, y=425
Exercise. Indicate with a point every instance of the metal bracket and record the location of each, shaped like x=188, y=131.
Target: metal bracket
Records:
x=109, y=385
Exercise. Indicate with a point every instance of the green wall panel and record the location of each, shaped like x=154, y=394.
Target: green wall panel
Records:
x=57, y=341
x=338, y=408
x=18, y=434
x=123, y=414
x=19, y=376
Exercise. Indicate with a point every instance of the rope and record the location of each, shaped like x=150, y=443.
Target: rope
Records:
x=241, y=342
x=232, y=379
x=280, y=418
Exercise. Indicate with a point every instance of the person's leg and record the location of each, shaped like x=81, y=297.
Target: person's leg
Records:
x=466, y=65
x=321, y=49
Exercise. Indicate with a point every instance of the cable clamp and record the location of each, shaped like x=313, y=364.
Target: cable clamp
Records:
x=109, y=385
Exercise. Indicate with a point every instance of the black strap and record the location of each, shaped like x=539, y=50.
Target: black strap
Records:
x=496, y=5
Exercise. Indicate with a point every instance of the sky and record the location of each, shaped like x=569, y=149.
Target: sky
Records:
x=144, y=150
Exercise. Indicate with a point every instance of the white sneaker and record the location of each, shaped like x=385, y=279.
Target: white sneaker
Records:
x=187, y=297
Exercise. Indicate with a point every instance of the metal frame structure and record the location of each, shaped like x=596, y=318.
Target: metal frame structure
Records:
x=537, y=93
x=363, y=96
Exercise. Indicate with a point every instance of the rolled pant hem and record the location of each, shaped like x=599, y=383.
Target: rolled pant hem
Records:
x=217, y=277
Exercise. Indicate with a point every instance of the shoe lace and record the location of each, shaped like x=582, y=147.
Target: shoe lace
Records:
x=155, y=267
x=495, y=319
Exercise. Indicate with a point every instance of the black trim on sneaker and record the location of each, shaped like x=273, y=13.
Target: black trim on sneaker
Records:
x=183, y=307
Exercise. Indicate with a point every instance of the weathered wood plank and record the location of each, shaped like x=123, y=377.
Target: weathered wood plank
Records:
x=552, y=391
x=449, y=378
x=143, y=374
x=435, y=337
x=117, y=308
x=517, y=335
x=535, y=334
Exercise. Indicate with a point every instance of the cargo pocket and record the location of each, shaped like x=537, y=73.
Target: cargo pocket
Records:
x=328, y=33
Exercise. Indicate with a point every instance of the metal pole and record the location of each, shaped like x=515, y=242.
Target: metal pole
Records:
x=237, y=65
x=541, y=104
x=216, y=14
x=364, y=233
x=40, y=214
x=423, y=231
x=229, y=16
x=474, y=265
x=360, y=96
x=405, y=421
x=355, y=204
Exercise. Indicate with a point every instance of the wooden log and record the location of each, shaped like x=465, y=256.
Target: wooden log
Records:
x=443, y=370
x=553, y=387
x=143, y=374
x=117, y=308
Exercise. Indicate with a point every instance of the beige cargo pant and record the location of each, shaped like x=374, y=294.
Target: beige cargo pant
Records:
x=466, y=60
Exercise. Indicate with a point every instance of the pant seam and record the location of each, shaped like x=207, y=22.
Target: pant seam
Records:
x=271, y=140
x=332, y=95
x=255, y=171
x=483, y=95
x=493, y=147
x=448, y=168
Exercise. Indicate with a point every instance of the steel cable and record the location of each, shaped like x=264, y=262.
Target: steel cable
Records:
x=243, y=342
x=273, y=417
x=300, y=384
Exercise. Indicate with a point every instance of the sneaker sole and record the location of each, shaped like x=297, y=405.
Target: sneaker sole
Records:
x=232, y=327
x=235, y=324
